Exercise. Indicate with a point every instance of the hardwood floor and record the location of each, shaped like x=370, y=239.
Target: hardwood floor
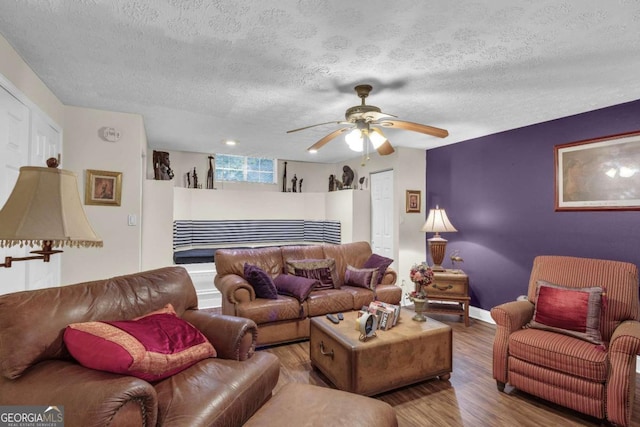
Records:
x=469, y=398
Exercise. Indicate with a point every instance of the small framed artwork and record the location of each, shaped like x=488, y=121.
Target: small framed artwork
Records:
x=102, y=188
x=598, y=174
x=413, y=201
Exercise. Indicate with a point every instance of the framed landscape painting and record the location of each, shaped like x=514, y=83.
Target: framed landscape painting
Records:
x=102, y=188
x=598, y=174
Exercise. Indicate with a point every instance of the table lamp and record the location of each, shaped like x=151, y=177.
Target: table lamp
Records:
x=437, y=222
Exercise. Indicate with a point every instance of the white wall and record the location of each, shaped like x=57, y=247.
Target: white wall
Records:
x=83, y=150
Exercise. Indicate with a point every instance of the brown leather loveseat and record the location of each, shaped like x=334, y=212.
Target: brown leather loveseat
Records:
x=37, y=369
x=286, y=318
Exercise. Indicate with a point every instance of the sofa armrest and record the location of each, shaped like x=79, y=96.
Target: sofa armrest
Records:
x=89, y=397
x=623, y=348
x=513, y=315
x=509, y=317
x=390, y=277
x=234, y=289
x=233, y=337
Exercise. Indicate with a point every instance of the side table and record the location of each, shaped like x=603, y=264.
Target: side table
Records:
x=449, y=293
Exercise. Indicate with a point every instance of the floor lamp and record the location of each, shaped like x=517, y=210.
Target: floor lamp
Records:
x=437, y=222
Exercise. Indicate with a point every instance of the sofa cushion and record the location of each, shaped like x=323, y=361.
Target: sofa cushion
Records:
x=151, y=347
x=295, y=286
x=380, y=262
x=323, y=270
x=361, y=277
x=568, y=310
x=260, y=281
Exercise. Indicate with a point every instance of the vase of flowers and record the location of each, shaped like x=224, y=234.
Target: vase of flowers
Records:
x=421, y=275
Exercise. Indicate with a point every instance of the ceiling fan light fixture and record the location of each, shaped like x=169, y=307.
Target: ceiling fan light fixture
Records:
x=354, y=140
x=376, y=137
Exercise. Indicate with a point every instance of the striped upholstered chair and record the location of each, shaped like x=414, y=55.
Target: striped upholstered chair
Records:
x=548, y=346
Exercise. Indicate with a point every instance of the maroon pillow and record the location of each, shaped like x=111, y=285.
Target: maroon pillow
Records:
x=323, y=270
x=295, y=286
x=380, y=262
x=261, y=282
x=151, y=347
x=571, y=311
x=361, y=277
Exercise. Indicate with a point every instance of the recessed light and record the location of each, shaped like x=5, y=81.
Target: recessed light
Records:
x=313, y=151
x=231, y=142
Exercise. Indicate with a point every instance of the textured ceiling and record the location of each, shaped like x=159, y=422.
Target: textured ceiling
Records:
x=201, y=71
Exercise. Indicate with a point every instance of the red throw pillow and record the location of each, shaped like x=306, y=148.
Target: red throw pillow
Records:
x=571, y=311
x=152, y=347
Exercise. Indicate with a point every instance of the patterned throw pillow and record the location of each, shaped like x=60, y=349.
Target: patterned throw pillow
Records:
x=261, y=282
x=361, y=277
x=295, y=286
x=380, y=262
x=323, y=270
x=151, y=347
x=571, y=311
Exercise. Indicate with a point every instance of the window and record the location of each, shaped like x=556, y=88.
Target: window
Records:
x=245, y=169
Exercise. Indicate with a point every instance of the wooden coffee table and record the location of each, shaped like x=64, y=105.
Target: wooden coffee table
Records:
x=409, y=352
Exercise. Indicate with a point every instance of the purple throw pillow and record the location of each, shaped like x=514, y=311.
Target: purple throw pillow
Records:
x=295, y=286
x=379, y=262
x=361, y=277
x=324, y=270
x=262, y=283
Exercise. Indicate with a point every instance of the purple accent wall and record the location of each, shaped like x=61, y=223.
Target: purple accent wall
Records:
x=498, y=192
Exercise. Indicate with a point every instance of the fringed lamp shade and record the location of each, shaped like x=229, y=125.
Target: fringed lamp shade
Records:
x=437, y=222
x=44, y=209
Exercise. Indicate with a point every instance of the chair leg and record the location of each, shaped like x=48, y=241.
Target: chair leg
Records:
x=500, y=385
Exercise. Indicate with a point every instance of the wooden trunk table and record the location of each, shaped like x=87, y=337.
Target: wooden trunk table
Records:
x=409, y=352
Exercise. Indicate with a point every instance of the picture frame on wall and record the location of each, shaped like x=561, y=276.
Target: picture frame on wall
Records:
x=598, y=174
x=413, y=201
x=102, y=188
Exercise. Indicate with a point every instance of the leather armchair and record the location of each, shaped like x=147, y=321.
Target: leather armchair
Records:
x=36, y=368
x=566, y=370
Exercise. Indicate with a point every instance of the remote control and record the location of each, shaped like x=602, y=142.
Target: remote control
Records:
x=340, y=316
x=333, y=318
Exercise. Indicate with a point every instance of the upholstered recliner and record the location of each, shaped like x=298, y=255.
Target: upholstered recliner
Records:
x=598, y=380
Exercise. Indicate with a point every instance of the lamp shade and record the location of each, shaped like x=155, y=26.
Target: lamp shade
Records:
x=45, y=206
x=438, y=222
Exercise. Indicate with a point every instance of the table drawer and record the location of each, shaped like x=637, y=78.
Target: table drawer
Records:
x=446, y=287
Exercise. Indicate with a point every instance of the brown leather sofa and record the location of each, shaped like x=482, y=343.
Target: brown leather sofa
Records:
x=37, y=369
x=286, y=319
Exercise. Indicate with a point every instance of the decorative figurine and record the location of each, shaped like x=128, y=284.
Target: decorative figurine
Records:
x=294, y=180
x=332, y=182
x=210, y=175
x=162, y=166
x=284, y=178
x=300, y=185
x=347, y=176
x=361, y=181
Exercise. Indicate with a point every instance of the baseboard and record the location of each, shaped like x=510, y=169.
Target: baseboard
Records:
x=485, y=316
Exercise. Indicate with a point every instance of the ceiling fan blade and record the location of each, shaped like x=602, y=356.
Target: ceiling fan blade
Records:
x=385, y=149
x=326, y=139
x=312, y=126
x=415, y=127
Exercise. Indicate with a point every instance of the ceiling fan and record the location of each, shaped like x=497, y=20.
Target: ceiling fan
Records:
x=363, y=123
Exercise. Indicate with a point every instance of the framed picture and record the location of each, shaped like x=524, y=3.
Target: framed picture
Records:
x=102, y=188
x=413, y=201
x=598, y=174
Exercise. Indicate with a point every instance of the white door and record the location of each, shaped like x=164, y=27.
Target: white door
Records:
x=382, y=209
x=14, y=153
x=45, y=143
